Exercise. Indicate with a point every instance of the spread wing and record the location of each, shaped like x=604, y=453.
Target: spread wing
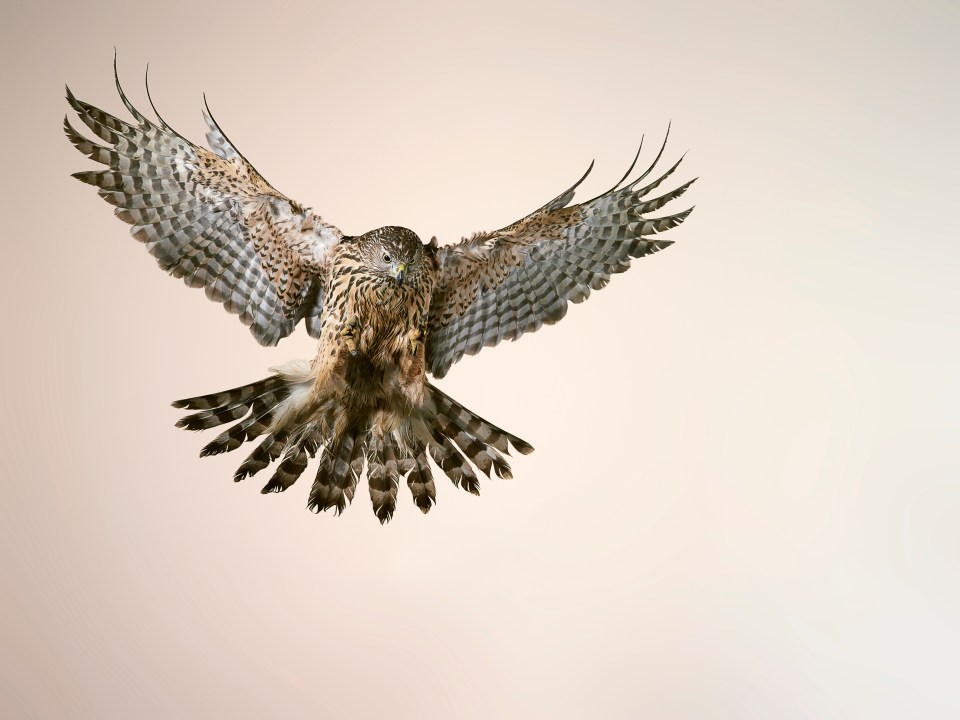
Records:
x=210, y=217
x=500, y=285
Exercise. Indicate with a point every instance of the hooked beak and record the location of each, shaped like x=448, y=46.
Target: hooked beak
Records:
x=398, y=271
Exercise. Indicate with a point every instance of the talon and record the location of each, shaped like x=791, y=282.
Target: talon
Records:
x=351, y=335
x=415, y=337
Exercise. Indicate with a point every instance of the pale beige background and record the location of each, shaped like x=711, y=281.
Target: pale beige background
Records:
x=745, y=497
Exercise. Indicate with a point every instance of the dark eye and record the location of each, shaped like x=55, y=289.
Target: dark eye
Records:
x=386, y=258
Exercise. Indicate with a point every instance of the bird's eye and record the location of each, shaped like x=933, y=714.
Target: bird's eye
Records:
x=386, y=258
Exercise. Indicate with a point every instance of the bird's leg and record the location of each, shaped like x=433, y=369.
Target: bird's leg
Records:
x=350, y=334
x=410, y=377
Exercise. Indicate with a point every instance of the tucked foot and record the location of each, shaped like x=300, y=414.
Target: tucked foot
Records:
x=351, y=335
x=415, y=338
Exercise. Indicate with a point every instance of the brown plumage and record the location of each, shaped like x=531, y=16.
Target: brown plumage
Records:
x=385, y=307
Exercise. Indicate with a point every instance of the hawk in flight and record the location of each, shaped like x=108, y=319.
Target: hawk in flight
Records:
x=385, y=308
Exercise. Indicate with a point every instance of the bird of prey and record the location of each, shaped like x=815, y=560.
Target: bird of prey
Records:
x=385, y=308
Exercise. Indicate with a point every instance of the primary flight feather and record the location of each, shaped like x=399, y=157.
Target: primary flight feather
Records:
x=385, y=307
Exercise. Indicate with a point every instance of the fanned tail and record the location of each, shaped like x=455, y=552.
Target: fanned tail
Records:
x=275, y=410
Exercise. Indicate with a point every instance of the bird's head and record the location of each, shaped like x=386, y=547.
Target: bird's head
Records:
x=393, y=253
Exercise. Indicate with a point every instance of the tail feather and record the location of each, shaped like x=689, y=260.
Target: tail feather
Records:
x=382, y=475
x=483, y=456
x=392, y=467
x=297, y=450
x=290, y=468
x=235, y=436
x=337, y=475
x=264, y=454
x=220, y=415
x=206, y=419
x=420, y=482
x=453, y=413
x=263, y=412
x=358, y=459
x=235, y=396
x=456, y=467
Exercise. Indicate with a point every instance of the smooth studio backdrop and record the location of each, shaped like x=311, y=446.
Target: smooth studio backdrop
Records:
x=744, y=498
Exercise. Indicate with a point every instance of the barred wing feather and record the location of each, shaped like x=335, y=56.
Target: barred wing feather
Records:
x=500, y=285
x=209, y=217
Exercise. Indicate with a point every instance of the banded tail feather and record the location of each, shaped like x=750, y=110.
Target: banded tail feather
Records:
x=446, y=409
x=266, y=452
x=420, y=482
x=297, y=454
x=341, y=465
x=275, y=411
x=383, y=476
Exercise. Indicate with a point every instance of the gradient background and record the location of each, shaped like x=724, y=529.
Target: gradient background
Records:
x=744, y=501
